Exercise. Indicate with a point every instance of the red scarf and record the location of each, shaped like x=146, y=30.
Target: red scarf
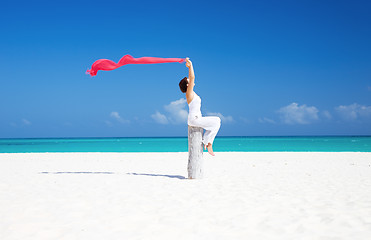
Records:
x=105, y=64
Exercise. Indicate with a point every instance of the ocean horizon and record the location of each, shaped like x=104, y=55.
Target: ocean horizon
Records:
x=180, y=144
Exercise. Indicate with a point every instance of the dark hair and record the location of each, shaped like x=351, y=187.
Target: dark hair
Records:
x=183, y=84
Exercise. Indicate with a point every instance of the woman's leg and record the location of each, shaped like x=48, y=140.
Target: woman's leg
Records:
x=210, y=135
x=211, y=126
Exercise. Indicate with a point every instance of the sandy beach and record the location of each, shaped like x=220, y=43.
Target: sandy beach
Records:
x=269, y=195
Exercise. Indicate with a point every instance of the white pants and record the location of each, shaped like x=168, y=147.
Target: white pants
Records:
x=210, y=124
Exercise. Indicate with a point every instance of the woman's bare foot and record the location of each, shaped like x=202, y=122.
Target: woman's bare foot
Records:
x=210, y=149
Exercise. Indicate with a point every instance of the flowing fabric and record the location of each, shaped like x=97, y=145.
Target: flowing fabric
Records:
x=107, y=65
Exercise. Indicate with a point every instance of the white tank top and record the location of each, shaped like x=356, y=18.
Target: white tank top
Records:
x=195, y=107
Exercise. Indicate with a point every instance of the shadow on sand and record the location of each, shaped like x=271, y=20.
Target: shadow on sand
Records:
x=137, y=174
x=157, y=175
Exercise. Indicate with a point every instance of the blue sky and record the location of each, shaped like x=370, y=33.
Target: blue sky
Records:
x=265, y=67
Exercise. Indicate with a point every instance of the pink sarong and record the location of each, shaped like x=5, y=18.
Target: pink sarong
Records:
x=107, y=65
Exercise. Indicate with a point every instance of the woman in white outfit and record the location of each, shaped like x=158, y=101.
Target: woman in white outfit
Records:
x=195, y=118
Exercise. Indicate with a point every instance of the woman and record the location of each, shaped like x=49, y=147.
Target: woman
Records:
x=195, y=118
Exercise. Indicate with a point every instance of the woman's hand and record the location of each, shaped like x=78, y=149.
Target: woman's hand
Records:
x=188, y=63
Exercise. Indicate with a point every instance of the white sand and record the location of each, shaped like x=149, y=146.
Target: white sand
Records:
x=145, y=196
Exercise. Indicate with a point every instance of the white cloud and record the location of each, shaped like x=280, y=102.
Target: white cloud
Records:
x=177, y=111
x=354, y=111
x=160, y=118
x=23, y=122
x=295, y=114
x=326, y=114
x=224, y=119
x=266, y=120
x=26, y=122
x=108, y=123
x=117, y=116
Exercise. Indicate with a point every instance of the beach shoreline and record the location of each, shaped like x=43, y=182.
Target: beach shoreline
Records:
x=257, y=195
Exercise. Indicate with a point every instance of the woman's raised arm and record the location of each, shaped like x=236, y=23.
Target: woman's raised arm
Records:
x=191, y=78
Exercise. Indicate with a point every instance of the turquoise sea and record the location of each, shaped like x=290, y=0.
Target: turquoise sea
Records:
x=180, y=144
